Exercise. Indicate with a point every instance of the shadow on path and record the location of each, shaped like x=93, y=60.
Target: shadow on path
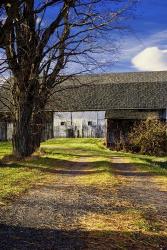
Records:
x=15, y=237
x=59, y=166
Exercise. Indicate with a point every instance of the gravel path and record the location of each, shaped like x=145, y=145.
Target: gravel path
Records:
x=141, y=188
x=142, y=191
x=55, y=215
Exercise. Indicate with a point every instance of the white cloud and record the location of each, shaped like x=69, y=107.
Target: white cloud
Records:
x=134, y=43
x=151, y=59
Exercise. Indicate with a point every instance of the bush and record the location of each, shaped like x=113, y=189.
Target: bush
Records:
x=149, y=137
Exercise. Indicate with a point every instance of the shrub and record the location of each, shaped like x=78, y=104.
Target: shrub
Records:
x=149, y=137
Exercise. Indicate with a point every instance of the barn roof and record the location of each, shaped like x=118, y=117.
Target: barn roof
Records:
x=137, y=90
x=133, y=114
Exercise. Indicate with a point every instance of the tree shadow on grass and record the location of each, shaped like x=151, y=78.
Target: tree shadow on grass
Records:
x=129, y=169
x=61, y=166
x=161, y=164
x=148, y=160
x=77, y=151
x=57, y=166
x=17, y=237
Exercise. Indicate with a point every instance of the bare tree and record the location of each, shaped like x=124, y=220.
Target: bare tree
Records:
x=38, y=40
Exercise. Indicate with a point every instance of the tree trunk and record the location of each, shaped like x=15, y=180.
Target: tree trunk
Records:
x=23, y=145
x=26, y=139
x=28, y=127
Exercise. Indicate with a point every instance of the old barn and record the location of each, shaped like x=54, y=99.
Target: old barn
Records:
x=100, y=105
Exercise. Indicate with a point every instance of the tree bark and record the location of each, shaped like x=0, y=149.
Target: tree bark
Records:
x=22, y=141
x=29, y=120
x=26, y=139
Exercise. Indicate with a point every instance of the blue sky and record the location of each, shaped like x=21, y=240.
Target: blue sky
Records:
x=144, y=47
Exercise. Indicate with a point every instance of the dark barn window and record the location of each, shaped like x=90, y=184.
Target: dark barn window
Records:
x=89, y=123
x=63, y=123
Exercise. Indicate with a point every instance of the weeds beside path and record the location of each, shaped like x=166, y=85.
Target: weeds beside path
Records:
x=90, y=198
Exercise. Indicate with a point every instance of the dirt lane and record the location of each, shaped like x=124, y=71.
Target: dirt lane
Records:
x=143, y=192
x=67, y=215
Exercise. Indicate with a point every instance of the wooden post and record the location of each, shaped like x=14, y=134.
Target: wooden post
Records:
x=107, y=134
x=52, y=122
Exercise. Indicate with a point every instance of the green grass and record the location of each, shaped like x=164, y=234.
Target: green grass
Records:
x=156, y=165
x=152, y=164
x=5, y=149
x=92, y=152
x=125, y=223
x=66, y=154
x=16, y=177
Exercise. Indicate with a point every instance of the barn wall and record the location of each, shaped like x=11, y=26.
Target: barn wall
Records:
x=3, y=131
x=9, y=131
x=5, y=119
x=79, y=124
x=117, y=130
x=6, y=128
x=163, y=114
x=48, y=126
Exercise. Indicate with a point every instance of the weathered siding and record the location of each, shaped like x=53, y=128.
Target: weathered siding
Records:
x=9, y=131
x=79, y=124
x=3, y=131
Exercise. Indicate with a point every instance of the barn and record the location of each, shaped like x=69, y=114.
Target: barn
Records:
x=99, y=105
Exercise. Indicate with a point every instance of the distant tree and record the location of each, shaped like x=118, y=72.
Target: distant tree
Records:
x=38, y=39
